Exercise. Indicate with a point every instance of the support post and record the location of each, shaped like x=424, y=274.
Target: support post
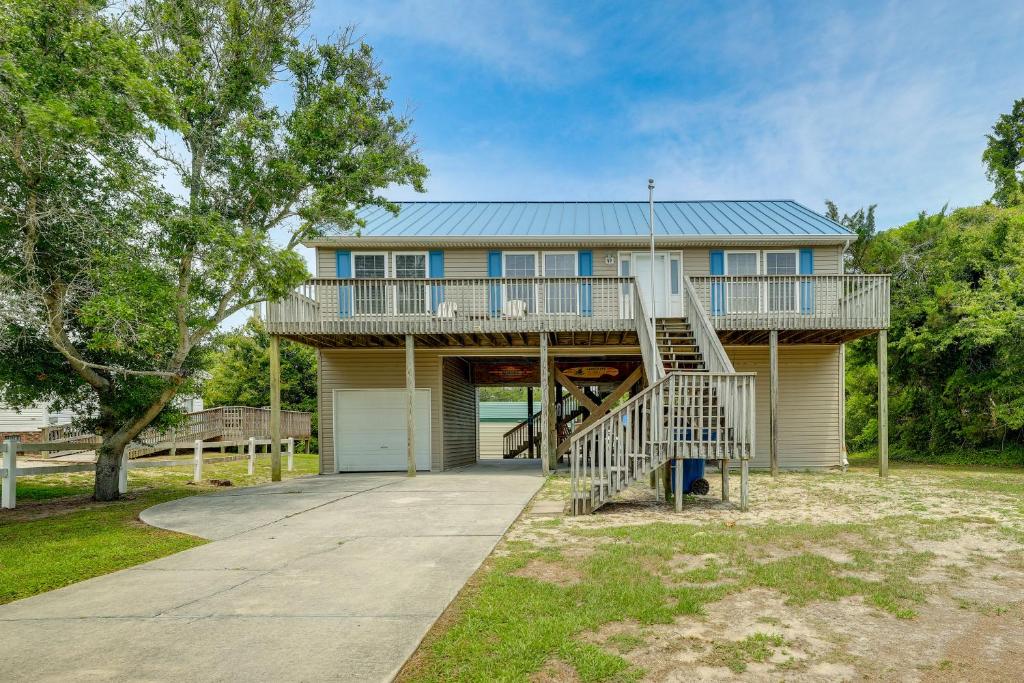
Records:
x=883, y=403
x=275, y=408
x=10, y=483
x=678, y=494
x=724, y=466
x=291, y=453
x=843, y=460
x=744, y=484
x=529, y=417
x=773, y=402
x=551, y=423
x=197, y=458
x=122, y=474
x=252, y=455
x=545, y=404
x=410, y=403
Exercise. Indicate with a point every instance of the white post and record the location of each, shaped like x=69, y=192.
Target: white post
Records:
x=291, y=453
x=197, y=476
x=122, y=474
x=545, y=405
x=252, y=455
x=410, y=405
x=678, y=484
x=10, y=463
x=744, y=485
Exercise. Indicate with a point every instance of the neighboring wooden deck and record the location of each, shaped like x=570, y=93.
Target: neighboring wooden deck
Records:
x=226, y=423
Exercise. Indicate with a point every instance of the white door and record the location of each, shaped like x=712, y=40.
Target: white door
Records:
x=642, y=271
x=369, y=430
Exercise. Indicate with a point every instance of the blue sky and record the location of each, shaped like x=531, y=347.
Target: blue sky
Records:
x=862, y=103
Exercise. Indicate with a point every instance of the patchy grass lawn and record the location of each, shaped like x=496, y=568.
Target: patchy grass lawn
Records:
x=57, y=535
x=829, y=576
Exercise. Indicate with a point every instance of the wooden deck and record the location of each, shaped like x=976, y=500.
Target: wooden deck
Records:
x=233, y=424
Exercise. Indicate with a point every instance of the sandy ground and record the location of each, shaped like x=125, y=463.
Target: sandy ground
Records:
x=968, y=527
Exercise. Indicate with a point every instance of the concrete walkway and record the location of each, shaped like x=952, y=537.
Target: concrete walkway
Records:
x=320, y=578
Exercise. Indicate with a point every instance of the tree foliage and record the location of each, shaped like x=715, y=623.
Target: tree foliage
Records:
x=1004, y=157
x=239, y=371
x=862, y=223
x=113, y=286
x=956, y=378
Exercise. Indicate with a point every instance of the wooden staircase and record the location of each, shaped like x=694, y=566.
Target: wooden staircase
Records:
x=516, y=441
x=679, y=350
x=695, y=406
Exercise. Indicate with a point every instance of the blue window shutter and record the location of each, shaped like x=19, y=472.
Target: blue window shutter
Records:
x=586, y=269
x=494, y=270
x=807, y=286
x=717, y=267
x=344, y=271
x=436, y=271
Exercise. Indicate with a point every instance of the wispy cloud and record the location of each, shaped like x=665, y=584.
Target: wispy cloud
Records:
x=523, y=40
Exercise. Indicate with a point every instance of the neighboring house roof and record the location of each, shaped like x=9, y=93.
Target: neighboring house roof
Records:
x=540, y=221
x=502, y=411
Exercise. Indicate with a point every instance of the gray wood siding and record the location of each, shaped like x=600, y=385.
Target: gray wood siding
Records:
x=472, y=263
x=459, y=414
x=375, y=369
x=809, y=432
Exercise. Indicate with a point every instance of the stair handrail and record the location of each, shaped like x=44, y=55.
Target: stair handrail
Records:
x=654, y=367
x=567, y=399
x=715, y=357
x=629, y=447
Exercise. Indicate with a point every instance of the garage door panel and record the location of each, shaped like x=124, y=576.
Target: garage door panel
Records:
x=370, y=429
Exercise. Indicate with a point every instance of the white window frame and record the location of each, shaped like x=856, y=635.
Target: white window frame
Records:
x=426, y=275
x=352, y=262
x=352, y=267
x=796, y=286
x=575, y=273
x=538, y=266
x=759, y=303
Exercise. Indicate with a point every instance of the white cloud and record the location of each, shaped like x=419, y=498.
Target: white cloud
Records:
x=522, y=39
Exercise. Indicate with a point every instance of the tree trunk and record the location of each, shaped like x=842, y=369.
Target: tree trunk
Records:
x=108, y=465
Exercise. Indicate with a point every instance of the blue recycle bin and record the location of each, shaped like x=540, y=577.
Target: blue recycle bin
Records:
x=693, y=469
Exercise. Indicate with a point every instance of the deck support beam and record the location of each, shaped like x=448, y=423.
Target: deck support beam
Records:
x=545, y=405
x=410, y=403
x=744, y=485
x=275, y=408
x=724, y=466
x=843, y=460
x=883, y=403
x=773, y=402
x=529, y=421
x=678, y=494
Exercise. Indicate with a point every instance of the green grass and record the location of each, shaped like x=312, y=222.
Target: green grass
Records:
x=510, y=622
x=58, y=536
x=736, y=655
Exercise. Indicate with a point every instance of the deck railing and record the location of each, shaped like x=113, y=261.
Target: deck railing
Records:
x=410, y=306
x=225, y=423
x=703, y=415
x=793, y=302
x=704, y=334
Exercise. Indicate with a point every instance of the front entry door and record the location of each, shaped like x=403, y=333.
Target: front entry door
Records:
x=642, y=272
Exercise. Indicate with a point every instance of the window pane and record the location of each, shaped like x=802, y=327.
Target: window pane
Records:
x=675, y=276
x=520, y=265
x=741, y=264
x=559, y=265
x=368, y=265
x=780, y=263
x=410, y=265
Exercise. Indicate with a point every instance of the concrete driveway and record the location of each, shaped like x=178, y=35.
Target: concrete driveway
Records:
x=321, y=578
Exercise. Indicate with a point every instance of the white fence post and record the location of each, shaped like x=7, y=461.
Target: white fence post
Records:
x=122, y=474
x=198, y=475
x=252, y=454
x=291, y=453
x=10, y=463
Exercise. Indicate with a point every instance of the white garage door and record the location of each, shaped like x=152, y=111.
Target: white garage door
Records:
x=369, y=429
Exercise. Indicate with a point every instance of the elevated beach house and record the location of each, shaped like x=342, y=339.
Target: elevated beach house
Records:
x=726, y=344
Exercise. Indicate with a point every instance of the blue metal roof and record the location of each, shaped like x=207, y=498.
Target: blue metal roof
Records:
x=685, y=218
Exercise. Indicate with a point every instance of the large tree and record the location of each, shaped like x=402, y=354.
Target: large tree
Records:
x=1004, y=157
x=116, y=288
x=862, y=223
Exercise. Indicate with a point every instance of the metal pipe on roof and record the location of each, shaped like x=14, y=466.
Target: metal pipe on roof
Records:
x=650, y=200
